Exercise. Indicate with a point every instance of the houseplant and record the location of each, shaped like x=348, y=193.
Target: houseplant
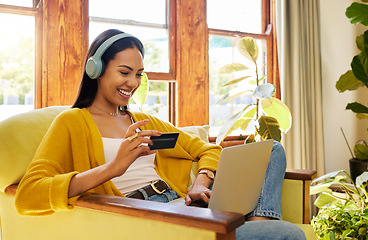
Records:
x=140, y=96
x=357, y=77
x=343, y=212
x=271, y=116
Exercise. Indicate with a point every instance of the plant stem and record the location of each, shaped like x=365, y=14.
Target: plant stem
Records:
x=257, y=80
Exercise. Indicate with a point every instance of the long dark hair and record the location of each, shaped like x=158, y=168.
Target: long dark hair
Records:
x=88, y=87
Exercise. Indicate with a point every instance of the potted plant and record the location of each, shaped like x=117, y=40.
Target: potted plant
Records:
x=357, y=77
x=271, y=116
x=343, y=207
x=140, y=97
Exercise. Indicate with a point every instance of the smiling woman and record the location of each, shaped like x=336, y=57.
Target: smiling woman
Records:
x=16, y=64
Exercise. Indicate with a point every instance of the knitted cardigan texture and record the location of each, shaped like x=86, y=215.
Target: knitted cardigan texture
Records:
x=73, y=144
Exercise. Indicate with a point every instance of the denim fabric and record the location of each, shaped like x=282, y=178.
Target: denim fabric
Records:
x=269, y=229
x=269, y=203
x=165, y=197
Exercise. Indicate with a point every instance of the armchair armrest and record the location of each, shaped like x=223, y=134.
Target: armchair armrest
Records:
x=223, y=224
x=300, y=174
x=296, y=195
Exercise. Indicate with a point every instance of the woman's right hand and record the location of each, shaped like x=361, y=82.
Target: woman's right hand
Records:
x=135, y=145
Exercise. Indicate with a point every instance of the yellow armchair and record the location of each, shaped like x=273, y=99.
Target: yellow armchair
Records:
x=110, y=217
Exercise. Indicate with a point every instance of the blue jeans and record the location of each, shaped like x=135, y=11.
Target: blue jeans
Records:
x=269, y=204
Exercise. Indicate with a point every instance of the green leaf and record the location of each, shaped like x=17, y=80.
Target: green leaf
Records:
x=327, y=176
x=357, y=13
x=361, y=151
x=248, y=48
x=348, y=81
x=141, y=93
x=322, y=187
x=363, y=178
x=231, y=95
x=360, y=42
x=324, y=199
x=274, y=107
x=235, y=81
x=235, y=122
x=357, y=107
x=250, y=139
x=268, y=128
x=357, y=65
x=263, y=91
x=233, y=67
x=362, y=116
x=365, y=43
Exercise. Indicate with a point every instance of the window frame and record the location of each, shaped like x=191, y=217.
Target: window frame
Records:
x=57, y=80
x=35, y=12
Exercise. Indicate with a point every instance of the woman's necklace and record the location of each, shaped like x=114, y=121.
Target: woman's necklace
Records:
x=110, y=113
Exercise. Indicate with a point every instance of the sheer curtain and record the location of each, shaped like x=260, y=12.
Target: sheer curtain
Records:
x=297, y=24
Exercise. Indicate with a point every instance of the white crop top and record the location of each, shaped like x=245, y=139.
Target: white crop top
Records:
x=140, y=174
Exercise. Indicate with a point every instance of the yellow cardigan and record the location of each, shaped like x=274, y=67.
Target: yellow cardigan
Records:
x=73, y=144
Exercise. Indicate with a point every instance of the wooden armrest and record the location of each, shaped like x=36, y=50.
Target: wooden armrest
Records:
x=300, y=174
x=203, y=218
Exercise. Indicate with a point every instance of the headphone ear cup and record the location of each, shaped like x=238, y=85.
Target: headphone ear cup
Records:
x=94, y=67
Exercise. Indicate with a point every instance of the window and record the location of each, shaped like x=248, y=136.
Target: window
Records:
x=185, y=45
x=17, y=58
x=152, y=28
x=238, y=19
x=181, y=62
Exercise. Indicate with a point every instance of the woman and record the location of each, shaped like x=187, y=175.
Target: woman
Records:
x=99, y=146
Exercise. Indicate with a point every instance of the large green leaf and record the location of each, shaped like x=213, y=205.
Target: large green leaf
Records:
x=238, y=120
x=248, y=48
x=362, y=42
x=348, y=81
x=357, y=107
x=361, y=151
x=228, y=127
x=265, y=90
x=235, y=81
x=141, y=93
x=231, y=95
x=357, y=13
x=363, y=178
x=358, y=66
x=233, y=67
x=268, y=128
x=328, y=176
x=274, y=107
x=324, y=199
x=362, y=116
x=322, y=187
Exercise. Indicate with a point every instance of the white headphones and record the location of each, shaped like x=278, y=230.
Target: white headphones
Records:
x=95, y=65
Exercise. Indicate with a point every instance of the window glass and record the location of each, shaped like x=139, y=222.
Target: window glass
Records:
x=222, y=51
x=235, y=15
x=21, y=3
x=151, y=27
x=129, y=16
x=16, y=64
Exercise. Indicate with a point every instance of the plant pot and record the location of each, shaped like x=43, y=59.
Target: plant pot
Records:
x=357, y=167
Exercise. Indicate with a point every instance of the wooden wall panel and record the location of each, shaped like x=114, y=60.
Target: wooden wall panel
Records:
x=64, y=43
x=192, y=63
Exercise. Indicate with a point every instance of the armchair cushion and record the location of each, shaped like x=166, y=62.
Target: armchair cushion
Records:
x=20, y=136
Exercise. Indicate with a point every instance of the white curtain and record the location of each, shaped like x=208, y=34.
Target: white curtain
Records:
x=297, y=28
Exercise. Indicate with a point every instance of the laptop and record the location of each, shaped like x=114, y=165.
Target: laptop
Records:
x=239, y=177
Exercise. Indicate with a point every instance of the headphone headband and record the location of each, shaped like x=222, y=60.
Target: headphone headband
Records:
x=94, y=64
